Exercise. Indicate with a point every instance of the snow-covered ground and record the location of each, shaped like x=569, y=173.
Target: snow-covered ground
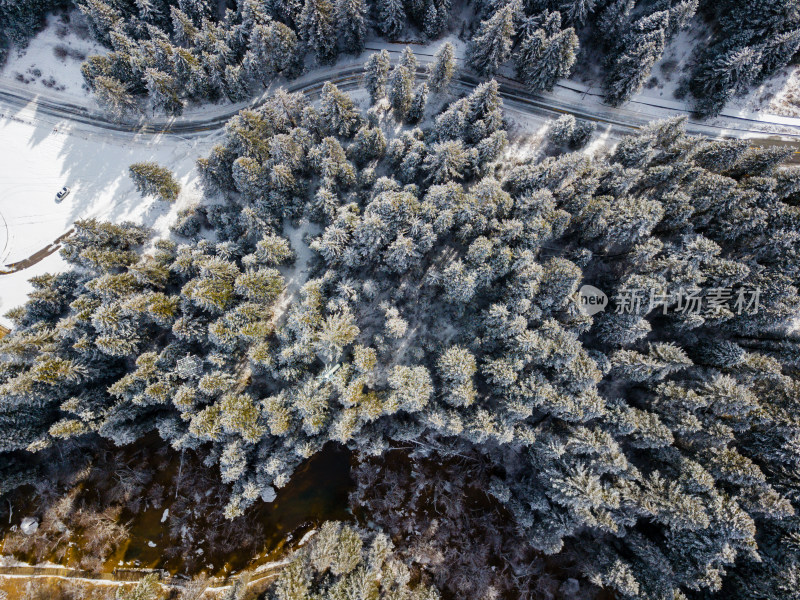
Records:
x=52, y=60
x=668, y=72
x=295, y=275
x=786, y=101
x=38, y=158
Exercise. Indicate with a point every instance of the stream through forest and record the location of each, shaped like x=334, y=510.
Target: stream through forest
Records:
x=174, y=521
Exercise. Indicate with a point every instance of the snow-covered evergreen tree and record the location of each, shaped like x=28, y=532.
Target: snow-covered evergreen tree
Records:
x=114, y=95
x=391, y=17
x=151, y=178
x=376, y=74
x=401, y=90
x=632, y=67
x=317, y=27
x=338, y=111
x=102, y=18
x=491, y=46
x=728, y=75
x=351, y=24
x=577, y=11
x=273, y=49
x=542, y=60
x=163, y=91
x=416, y=109
x=442, y=69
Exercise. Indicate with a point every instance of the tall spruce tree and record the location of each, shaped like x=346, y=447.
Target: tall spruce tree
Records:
x=317, y=26
x=542, y=60
x=491, y=46
x=351, y=24
x=376, y=74
x=442, y=69
x=391, y=17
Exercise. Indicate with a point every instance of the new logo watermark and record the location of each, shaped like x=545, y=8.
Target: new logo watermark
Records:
x=591, y=300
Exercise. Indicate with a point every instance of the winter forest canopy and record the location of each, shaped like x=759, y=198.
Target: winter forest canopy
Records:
x=383, y=280
x=171, y=52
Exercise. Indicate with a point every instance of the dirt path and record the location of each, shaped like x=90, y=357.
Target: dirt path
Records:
x=261, y=574
x=36, y=257
x=7, y=235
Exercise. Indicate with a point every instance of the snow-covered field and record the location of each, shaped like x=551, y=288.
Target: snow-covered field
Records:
x=51, y=63
x=786, y=101
x=38, y=159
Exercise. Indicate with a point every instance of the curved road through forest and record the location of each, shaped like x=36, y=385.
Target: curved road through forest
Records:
x=632, y=116
x=620, y=121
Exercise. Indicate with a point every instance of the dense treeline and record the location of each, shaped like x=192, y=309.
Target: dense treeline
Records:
x=438, y=312
x=752, y=41
x=469, y=544
x=748, y=42
x=173, y=51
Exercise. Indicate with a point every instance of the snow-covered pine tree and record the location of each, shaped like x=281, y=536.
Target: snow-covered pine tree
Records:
x=391, y=17
x=351, y=24
x=317, y=27
x=102, y=18
x=680, y=15
x=632, y=67
x=457, y=367
x=183, y=29
x=151, y=178
x=777, y=51
x=729, y=74
x=408, y=60
x=543, y=60
x=577, y=11
x=114, y=96
x=433, y=23
x=272, y=49
x=235, y=83
x=417, y=108
x=197, y=10
x=638, y=51
x=442, y=69
x=431, y=16
x=491, y=46
x=376, y=74
x=448, y=161
x=612, y=21
x=401, y=91
x=369, y=143
x=163, y=91
x=338, y=111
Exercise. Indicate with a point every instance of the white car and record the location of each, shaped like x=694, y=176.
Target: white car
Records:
x=62, y=193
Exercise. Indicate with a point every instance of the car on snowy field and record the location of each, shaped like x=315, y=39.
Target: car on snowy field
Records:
x=62, y=193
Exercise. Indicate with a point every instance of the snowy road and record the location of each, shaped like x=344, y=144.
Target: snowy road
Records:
x=569, y=97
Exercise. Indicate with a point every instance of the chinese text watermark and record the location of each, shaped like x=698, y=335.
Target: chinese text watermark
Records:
x=713, y=301
x=706, y=302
